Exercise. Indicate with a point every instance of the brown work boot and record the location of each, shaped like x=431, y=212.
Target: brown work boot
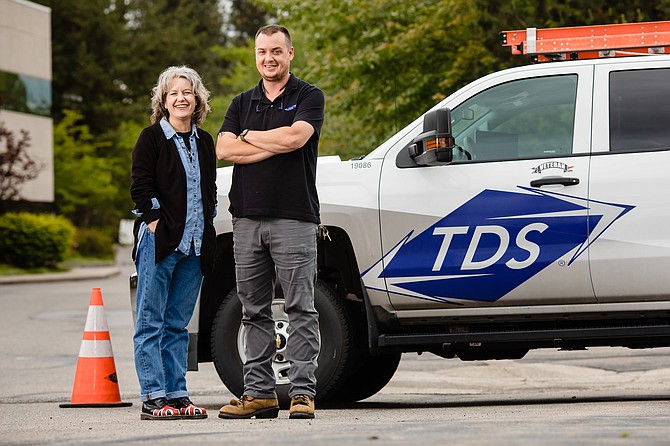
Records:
x=249, y=407
x=302, y=406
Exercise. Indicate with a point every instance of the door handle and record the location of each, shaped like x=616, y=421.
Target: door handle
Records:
x=563, y=181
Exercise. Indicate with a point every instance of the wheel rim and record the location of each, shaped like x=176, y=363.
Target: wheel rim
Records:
x=280, y=363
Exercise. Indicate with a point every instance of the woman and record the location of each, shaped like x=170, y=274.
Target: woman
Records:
x=174, y=190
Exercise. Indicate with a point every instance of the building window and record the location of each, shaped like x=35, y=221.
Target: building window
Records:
x=25, y=94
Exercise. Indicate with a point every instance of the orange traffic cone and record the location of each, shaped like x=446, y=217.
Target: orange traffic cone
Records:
x=95, y=382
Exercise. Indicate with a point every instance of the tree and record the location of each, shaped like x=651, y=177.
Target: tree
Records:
x=241, y=74
x=244, y=17
x=16, y=165
x=86, y=38
x=107, y=54
x=161, y=33
x=84, y=186
x=119, y=161
x=381, y=63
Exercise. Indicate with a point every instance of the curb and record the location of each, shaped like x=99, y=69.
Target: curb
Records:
x=73, y=274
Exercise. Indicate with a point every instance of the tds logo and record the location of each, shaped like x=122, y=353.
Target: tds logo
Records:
x=492, y=244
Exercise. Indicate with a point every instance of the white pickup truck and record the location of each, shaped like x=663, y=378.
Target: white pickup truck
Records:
x=529, y=209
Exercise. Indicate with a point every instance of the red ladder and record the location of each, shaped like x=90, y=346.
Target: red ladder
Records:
x=589, y=42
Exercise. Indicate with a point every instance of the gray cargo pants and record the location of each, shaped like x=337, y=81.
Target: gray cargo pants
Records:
x=266, y=250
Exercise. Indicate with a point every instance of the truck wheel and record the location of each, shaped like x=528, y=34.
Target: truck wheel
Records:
x=374, y=373
x=227, y=344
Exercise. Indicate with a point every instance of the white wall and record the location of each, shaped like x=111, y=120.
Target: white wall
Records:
x=25, y=48
x=25, y=38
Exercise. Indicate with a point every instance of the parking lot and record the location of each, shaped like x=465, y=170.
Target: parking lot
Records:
x=600, y=396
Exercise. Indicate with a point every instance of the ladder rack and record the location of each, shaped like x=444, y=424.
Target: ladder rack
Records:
x=589, y=42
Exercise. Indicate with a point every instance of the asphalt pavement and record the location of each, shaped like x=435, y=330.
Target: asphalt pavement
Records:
x=602, y=396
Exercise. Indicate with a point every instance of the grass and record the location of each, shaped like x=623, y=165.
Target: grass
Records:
x=65, y=265
x=76, y=261
x=9, y=270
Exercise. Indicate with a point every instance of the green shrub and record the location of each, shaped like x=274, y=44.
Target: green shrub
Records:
x=94, y=243
x=33, y=241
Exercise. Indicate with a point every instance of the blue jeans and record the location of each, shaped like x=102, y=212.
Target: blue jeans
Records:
x=269, y=250
x=166, y=296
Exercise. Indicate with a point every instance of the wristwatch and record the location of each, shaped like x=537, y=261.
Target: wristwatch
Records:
x=243, y=134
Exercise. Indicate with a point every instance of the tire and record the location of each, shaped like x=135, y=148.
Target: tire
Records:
x=374, y=373
x=334, y=357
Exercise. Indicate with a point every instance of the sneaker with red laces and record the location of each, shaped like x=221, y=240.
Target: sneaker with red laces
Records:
x=158, y=409
x=187, y=409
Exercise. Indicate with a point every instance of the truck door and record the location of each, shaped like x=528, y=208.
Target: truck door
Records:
x=506, y=223
x=631, y=159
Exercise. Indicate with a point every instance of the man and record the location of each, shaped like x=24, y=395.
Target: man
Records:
x=271, y=133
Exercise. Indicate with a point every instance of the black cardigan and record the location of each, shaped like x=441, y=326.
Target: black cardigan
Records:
x=157, y=171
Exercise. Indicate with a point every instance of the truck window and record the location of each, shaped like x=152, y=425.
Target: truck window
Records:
x=527, y=118
x=639, y=110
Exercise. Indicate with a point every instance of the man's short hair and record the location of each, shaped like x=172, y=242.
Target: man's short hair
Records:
x=269, y=30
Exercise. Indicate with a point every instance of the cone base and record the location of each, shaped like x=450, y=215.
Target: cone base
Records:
x=119, y=404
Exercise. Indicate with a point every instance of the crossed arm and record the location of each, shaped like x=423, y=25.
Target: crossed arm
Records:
x=262, y=144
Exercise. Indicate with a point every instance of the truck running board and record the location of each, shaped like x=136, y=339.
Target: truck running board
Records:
x=547, y=338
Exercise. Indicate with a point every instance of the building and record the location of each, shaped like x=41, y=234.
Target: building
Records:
x=25, y=87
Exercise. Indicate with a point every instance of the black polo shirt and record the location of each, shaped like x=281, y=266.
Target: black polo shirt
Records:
x=284, y=185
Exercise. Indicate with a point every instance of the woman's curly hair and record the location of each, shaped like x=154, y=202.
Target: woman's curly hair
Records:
x=160, y=90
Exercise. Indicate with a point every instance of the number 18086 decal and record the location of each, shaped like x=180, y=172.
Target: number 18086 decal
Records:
x=492, y=244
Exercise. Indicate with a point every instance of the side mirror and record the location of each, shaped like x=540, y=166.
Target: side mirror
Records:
x=434, y=146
